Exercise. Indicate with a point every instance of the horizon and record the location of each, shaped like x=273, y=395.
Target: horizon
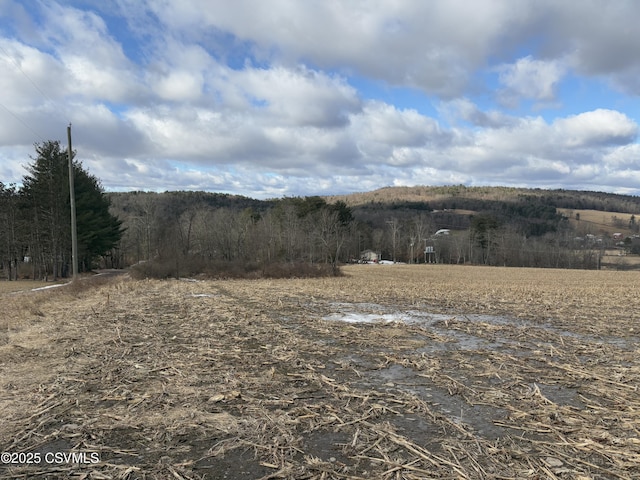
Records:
x=365, y=192
x=303, y=99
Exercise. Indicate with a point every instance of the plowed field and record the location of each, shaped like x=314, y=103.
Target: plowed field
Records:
x=389, y=372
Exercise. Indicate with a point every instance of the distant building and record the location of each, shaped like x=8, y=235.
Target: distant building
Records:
x=369, y=256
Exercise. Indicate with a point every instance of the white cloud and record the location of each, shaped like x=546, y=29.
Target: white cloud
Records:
x=299, y=97
x=95, y=63
x=385, y=124
x=465, y=109
x=27, y=71
x=179, y=86
x=528, y=78
x=274, y=117
x=272, y=98
x=430, y=45
x=597, y=128
x=378, y=148
x=623, y=157
x=427, y=45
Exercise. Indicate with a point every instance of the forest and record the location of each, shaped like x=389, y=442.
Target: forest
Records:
x=185, y=233
x=177, y=234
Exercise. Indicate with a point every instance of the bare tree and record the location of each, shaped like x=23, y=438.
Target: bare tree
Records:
x=418, y=234
x=185, y=228
x=332, y=234
x=394, y=233
x=145, y=222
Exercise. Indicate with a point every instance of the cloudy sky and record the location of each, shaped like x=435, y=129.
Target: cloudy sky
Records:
x=288, y=97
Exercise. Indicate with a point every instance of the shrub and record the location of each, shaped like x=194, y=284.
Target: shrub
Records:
x=300, y=270
x=219, y=269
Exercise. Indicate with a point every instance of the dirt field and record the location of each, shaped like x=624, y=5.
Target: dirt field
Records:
x=390, y=372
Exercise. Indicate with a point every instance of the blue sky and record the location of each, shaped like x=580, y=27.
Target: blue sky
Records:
x=281, y=98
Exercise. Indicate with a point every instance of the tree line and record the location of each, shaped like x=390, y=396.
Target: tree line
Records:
x=35, y=238
x=184, y=233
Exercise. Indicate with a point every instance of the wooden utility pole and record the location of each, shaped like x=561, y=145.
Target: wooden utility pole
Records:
x=72, y=196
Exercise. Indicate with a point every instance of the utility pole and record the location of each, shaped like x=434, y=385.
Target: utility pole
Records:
x=72, y=196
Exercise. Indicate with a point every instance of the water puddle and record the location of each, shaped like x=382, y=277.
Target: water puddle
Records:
x=561, y=395
x=451, y=326
x=479, y=418
x=456, y=339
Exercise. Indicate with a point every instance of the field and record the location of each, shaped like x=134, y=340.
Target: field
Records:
x=389, y=372
x=597, y=221
x=21, y=285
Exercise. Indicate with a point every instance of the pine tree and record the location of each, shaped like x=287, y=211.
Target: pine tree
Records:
x=98, y=230
x=46, y=197
x=9, y=230
x=46, y=200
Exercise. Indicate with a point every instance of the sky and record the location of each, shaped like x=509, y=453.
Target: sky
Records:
x=279, y=98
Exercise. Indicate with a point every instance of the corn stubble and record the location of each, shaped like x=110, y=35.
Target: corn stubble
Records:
x=512, y=373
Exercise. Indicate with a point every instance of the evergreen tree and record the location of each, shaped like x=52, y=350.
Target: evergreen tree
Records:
x=9, y=231
x=482, y=228
x=46, y=199
x=46, y=196
x=98, y=230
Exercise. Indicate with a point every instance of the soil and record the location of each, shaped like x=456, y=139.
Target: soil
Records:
x=390, y=372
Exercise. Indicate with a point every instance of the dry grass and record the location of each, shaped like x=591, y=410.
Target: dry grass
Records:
x=252, y=379
x=597, y=221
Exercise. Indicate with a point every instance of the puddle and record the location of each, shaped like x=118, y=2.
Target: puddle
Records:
x=371, y=313
x=561, y=395
x=478, y=418
x=468, y=335
x=456, y=339
x=419, y=430
x=354, y=317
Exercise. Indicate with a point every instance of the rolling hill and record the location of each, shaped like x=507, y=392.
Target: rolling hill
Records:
x=535, y=210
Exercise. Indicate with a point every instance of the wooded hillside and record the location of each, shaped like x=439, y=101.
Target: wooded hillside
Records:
x=487, y=225
x=460, y=197
x=187, y=233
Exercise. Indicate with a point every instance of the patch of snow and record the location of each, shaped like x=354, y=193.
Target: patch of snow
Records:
x=366, y=317
x=47, y=287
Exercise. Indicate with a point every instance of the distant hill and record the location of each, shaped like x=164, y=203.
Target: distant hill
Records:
x=477, y=198
x=180, y=200
x=532, y=211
